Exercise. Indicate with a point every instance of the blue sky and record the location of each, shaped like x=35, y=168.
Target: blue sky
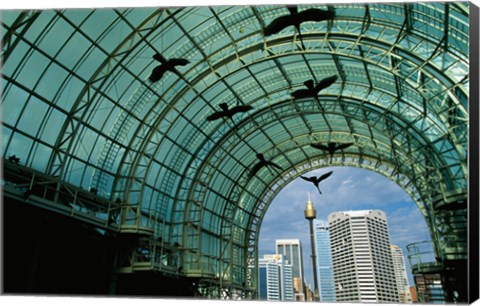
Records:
x=346, y=189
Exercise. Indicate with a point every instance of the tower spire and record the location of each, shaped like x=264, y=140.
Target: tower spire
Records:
x=310, y=212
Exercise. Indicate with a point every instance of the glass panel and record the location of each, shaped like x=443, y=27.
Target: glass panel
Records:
x=13, y=103
x=45, y=87
x=32, y=118
x=41, y=155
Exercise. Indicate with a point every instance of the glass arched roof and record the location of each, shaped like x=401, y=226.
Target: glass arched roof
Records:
x=78, y=104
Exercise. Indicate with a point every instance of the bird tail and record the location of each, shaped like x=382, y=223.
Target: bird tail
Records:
x=318, y=188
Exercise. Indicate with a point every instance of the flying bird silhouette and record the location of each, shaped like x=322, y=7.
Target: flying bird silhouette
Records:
x=316, y=180
x=295, y=19
x=14, y=159
x=166, y=65
x=331, y=147
x=312, y=89
x=229, y=113
x=263, y=163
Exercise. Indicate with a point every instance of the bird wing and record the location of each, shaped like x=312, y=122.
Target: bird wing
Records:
x=319, y=146
x=301, y=93
x=278, y=24
x=157, y=73
x=326, y=82
x=309, y=179
x=216, y=115
x=274, y=165
x=324, y=176
x=178, y=61
x=224, y=107
x=240, y=109
x=160, y=58
x=293, y=9
x=255, y=168
x=309, y=84
x=316, y=15
x=343, y=146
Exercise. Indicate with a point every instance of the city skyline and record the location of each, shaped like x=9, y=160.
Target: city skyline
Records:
x=349, y=189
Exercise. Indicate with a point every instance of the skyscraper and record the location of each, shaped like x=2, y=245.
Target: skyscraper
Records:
x=324, y=262
x=400, y=273
x=413, y=294
x=275, y=280
x=362, y=260
x=291, y=249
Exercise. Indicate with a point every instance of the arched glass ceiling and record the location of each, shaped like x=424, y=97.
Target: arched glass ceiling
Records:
x=78, y=104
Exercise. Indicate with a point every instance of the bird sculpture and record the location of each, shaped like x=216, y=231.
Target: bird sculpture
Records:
x=166, y=65
x=295, y=18
x=313, y=90
x=263, y=163
x=331, y=147
x=229, y=113
x=14, y=159
x=316, y=180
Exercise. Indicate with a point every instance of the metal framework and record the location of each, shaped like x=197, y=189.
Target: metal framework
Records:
x=147, y=149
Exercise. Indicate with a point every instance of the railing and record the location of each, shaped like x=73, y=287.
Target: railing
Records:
x=51, y=193
x=158, y=256
x=422, y=258
x=427, y=271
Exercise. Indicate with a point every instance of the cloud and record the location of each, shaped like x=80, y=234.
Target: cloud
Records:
x=407, y=225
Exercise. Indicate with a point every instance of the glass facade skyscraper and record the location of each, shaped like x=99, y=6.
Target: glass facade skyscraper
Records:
x=275, y=279
x=326, y=285
x=291, y=249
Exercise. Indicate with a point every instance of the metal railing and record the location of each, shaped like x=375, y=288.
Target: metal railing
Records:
x=30, y=186
x=422, y=257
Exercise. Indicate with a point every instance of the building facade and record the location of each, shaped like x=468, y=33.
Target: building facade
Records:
x=412, y=294
x=291, y=249
x=326, y=287
x=429, y=288
x=275, y=279
x=309, y=294
x=400, y=273
x=362, y=260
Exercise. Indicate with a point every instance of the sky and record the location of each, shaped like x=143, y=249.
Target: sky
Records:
x=347, y=188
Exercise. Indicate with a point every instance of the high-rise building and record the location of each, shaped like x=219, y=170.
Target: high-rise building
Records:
x=326, y=285
x=275, y=280
x=400, y=273
x=413, y=294
x=362, y=260
x=309, y=294
x=291, y=249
